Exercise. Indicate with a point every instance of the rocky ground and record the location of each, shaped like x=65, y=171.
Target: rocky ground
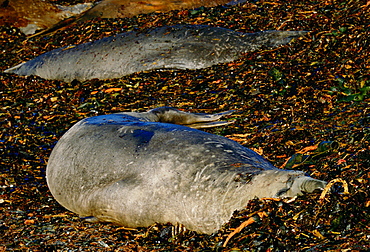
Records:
x=288, y=101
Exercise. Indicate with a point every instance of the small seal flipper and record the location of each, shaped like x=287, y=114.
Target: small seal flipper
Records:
x=192, y=120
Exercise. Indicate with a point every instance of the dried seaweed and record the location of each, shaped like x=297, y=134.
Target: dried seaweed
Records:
x=296, y=96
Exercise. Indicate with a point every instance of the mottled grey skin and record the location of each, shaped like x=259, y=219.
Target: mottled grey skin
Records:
x=169, y=47
x=135, y=169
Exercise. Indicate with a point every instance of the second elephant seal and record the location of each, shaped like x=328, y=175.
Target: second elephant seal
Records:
x=167, y=47
x=136, y=169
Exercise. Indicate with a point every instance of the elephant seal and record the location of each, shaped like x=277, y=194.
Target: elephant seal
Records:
x=135, y=169
x=168, y=47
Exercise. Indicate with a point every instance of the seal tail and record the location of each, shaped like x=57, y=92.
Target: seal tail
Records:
x=270, y=39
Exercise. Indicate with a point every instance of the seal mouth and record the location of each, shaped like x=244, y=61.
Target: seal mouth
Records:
x=281, y=193
x=289, y=190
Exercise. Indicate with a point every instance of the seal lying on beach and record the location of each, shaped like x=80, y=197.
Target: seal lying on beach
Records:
x=135, y=169
x=168, y=47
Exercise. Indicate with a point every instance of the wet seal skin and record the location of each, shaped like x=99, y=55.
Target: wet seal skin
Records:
x=168, y=47
x=135, y=169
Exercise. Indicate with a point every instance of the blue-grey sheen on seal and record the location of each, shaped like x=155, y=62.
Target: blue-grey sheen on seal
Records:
x=136, y=169
x=168, y=47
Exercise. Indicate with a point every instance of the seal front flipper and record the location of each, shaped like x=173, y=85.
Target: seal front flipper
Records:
x=192, y=120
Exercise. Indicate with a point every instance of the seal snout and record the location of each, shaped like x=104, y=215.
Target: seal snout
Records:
x=301, y=185
x=309, y=185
